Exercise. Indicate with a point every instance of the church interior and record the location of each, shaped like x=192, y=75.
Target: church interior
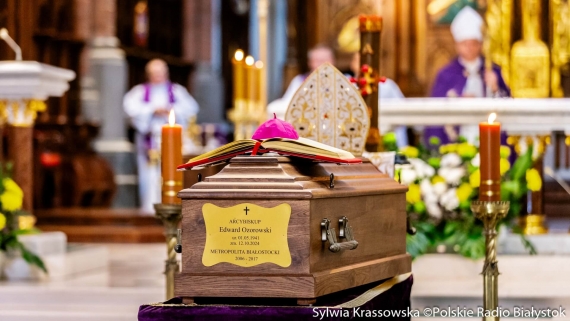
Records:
x=119, y=157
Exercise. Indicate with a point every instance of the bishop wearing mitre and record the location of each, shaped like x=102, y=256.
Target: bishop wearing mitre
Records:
x=465, y=75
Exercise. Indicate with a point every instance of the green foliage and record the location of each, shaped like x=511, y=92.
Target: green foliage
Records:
x=434, y=162
x=11, y=229
x=421, y=242
x=455, y=226
x=389, y=142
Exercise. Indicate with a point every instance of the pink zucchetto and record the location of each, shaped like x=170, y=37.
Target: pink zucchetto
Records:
x=275, y=128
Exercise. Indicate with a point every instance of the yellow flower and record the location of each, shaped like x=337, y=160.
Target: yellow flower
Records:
x=410, y=151
x=504, y=165
x=475, y=178
x=12, y=197
x=533, y=180
x=2, y=221
x=26, y=222
x=463, y=192
x=437, y=179
x=413, y=195
x=505, y=151
x=466, y=150
x=449, y=148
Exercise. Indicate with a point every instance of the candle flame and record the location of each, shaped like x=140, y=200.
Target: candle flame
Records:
x=239, y=55
x=492, y=118
x=259, y=64
x=171, y=118
x=249, y=60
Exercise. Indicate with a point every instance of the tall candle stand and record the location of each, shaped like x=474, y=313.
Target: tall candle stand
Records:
x=170, y=215
x=490, y=213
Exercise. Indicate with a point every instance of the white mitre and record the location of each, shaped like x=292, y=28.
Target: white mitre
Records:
x=467, y=25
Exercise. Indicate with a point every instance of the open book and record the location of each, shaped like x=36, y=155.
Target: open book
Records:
x=301, y=147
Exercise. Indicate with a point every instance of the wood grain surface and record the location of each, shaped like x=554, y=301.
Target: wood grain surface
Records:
x=244, y=286
x=378, y=224
x=373, y=203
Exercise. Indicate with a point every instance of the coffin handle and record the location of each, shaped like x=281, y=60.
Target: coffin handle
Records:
x=335, y=245
x=178, y=246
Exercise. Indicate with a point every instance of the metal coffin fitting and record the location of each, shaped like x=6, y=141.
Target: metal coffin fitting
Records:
x=345, y=231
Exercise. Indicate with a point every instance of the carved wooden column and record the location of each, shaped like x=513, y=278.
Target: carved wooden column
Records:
x=370, y=28
x=20, y=152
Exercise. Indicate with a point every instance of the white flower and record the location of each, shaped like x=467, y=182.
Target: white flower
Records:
x=426, y=187
x=449, y=200
x=450, y=160
x=452, y=176
x=524, y=147
x=439, y=188
x=428, y=170
x=434, y=210
x=407, y=176
x=476, y=161
x=422, y=168
x=430, y=198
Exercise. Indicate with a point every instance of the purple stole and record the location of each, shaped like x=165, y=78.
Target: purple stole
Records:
x=169, y=85
x=148, y=137
x=450, y=82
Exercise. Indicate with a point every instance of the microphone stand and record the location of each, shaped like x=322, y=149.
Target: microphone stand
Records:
x=6, y=37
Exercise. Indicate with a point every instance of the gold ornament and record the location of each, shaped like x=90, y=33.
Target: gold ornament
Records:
x=530, y=58
x=560, y=51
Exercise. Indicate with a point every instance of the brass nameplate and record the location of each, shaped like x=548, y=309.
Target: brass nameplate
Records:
x=246, y=235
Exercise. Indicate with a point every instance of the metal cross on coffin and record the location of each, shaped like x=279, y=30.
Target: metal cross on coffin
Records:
x=246, y=210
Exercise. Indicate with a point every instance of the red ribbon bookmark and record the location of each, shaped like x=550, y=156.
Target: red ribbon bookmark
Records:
x=255, y=148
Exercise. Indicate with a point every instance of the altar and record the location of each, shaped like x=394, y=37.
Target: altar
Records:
x=517, y=115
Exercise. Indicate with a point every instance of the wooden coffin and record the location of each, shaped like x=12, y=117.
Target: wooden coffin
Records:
x=256, y=229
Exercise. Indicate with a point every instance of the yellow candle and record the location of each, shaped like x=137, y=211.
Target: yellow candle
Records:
x=258, y=75
x=250, y=75
x=171, y=157
x=239, y=76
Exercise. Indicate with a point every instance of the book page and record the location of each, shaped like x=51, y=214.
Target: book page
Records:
x=229, y=148
x=305, y=146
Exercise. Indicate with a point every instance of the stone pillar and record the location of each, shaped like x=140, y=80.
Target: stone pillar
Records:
x=102, y=95
x=202, y=26
x=277, y=50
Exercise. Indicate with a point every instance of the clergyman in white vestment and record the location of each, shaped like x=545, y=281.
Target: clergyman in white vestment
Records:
x=317, y=56
x=148, y=106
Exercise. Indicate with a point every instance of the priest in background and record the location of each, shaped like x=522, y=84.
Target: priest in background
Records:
x=317, y=56
x=148, y=105
x=466, y=76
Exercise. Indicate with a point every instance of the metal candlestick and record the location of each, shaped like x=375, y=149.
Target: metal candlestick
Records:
x=170, y=215
x=490, y=213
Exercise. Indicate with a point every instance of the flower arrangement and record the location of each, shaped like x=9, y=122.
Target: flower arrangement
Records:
x=13, y=221
x=443, y=180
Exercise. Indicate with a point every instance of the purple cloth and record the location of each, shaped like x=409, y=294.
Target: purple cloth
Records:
x=171, y=98
x=396, y=298
x=452, y=79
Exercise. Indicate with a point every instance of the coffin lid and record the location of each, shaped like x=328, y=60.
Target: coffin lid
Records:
x=275, y=177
